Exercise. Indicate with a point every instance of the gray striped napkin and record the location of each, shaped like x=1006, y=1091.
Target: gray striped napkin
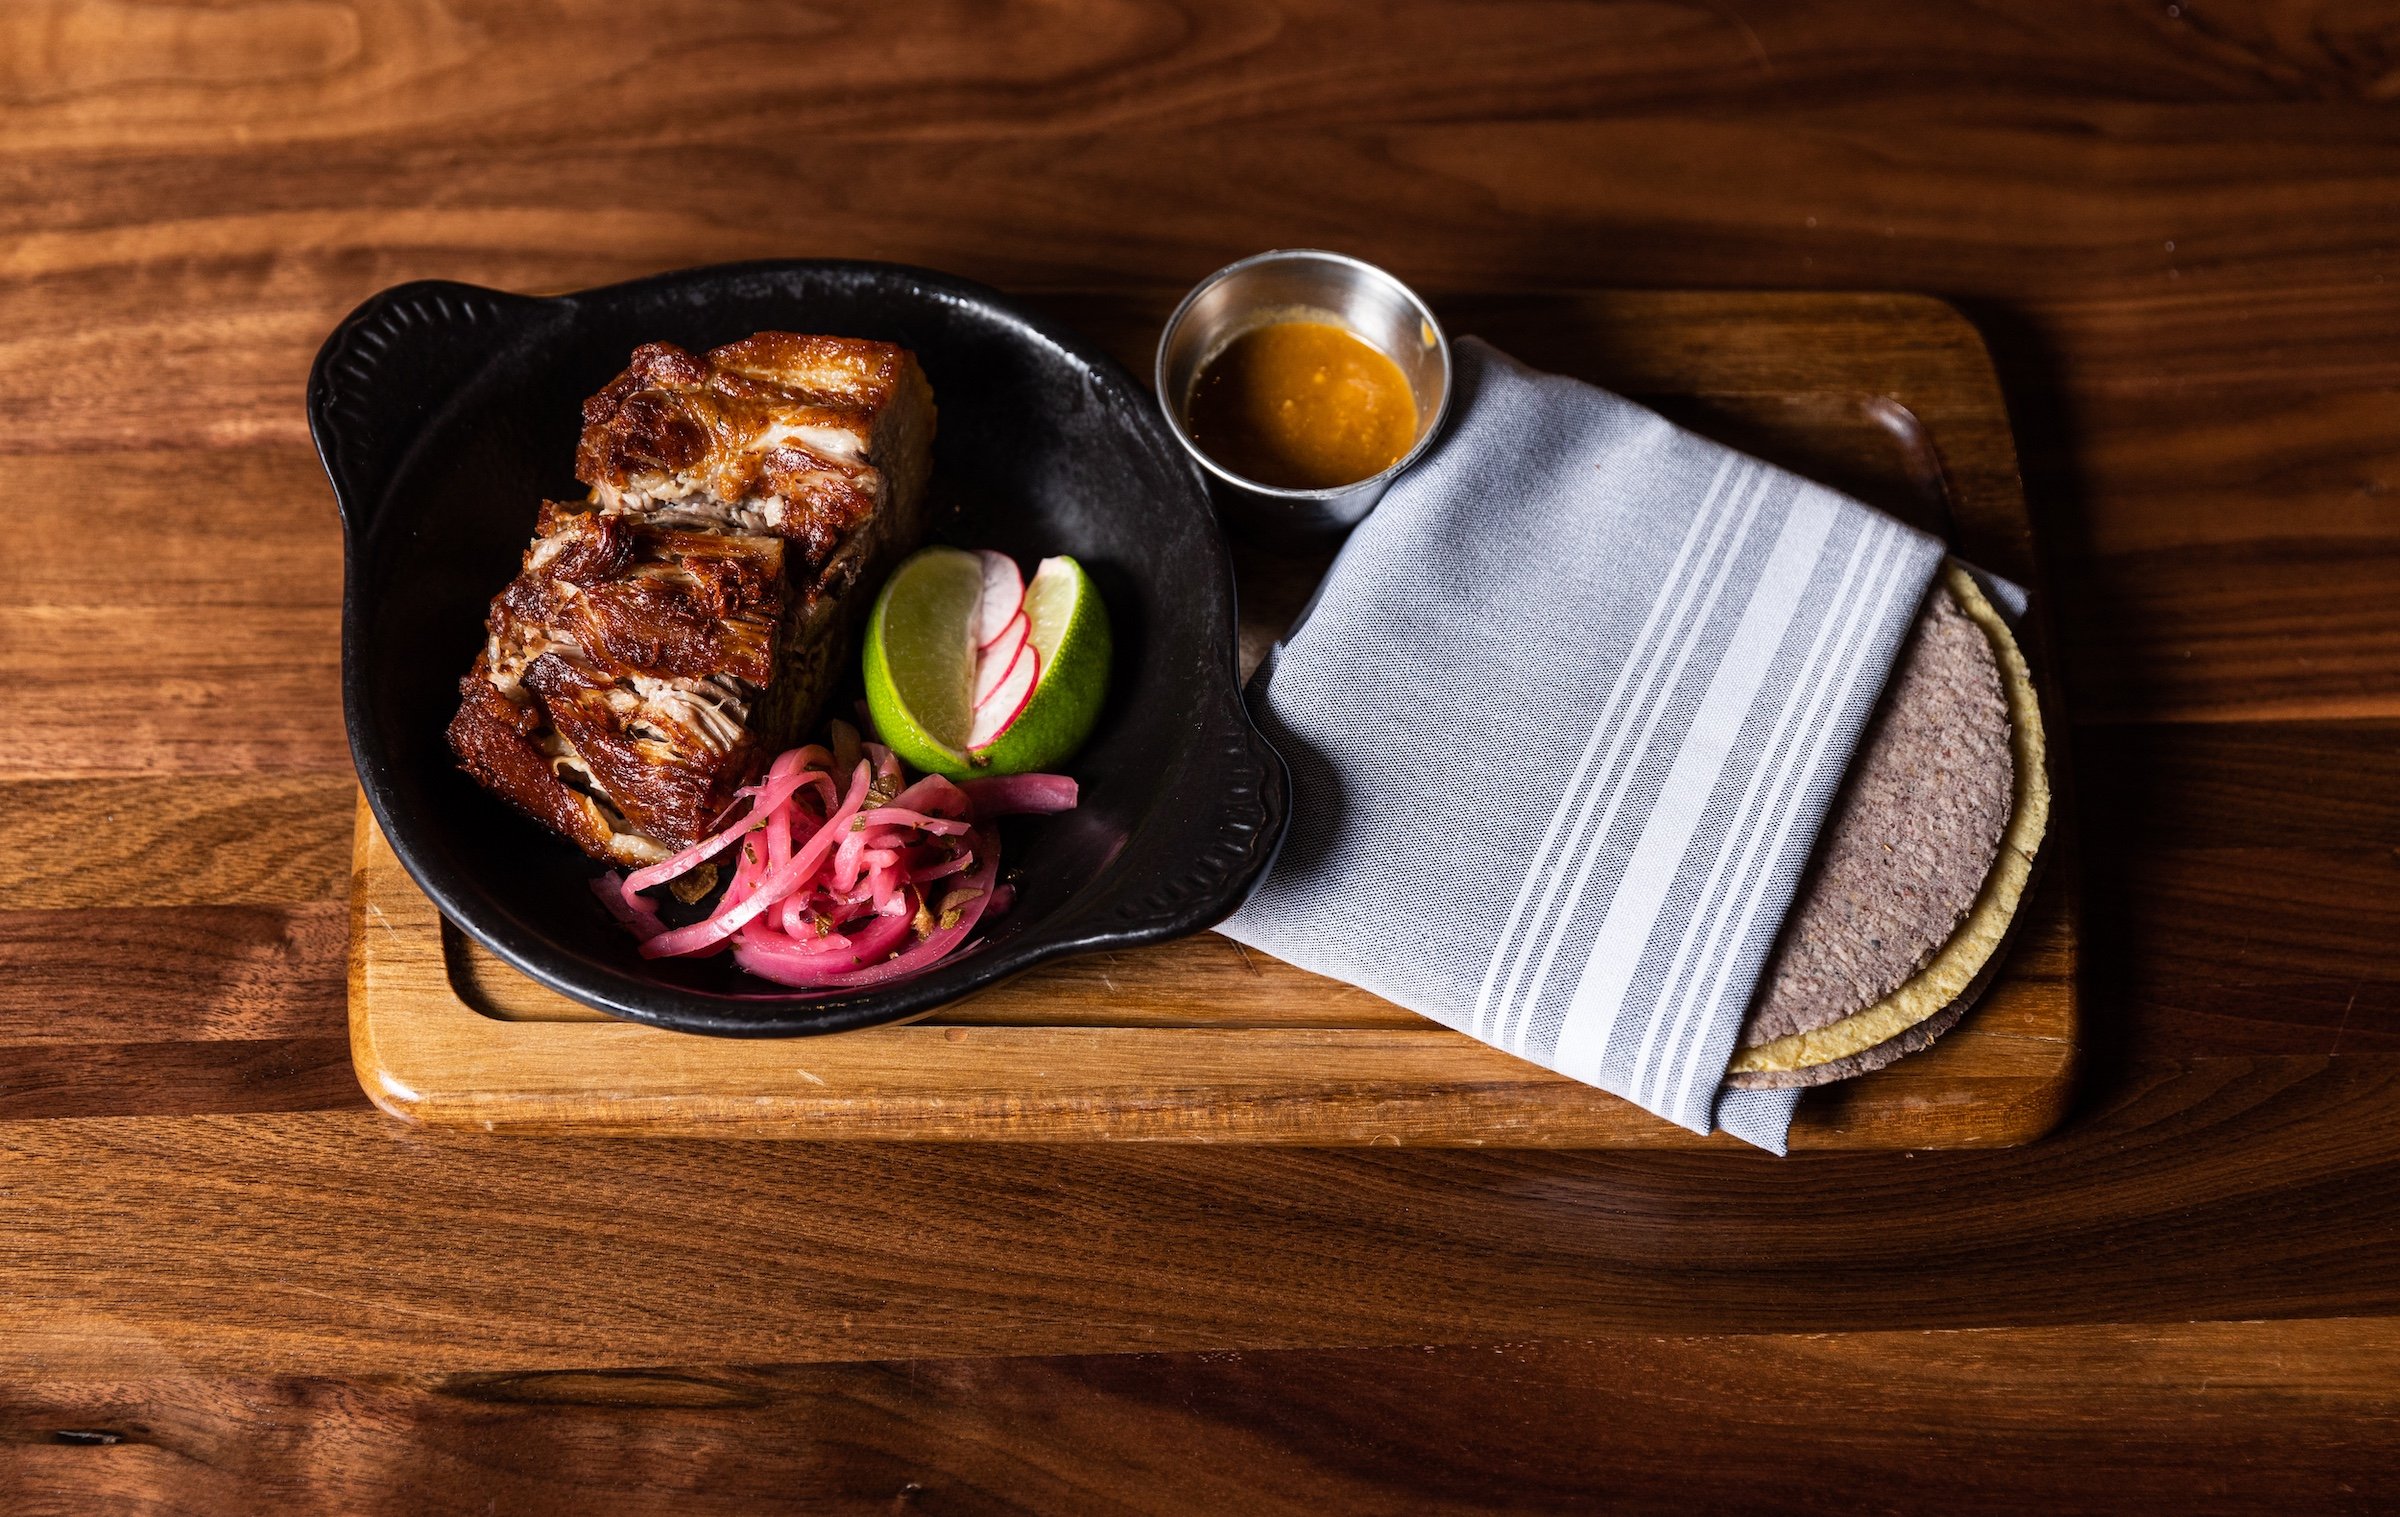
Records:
x=1563, y=722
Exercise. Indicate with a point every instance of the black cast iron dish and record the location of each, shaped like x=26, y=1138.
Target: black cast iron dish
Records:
x=445, y=412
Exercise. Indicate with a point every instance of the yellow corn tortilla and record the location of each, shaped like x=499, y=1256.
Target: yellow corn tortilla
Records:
x=1971, y=947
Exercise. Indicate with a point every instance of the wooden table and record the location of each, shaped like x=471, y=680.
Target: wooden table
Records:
x=228, y=1285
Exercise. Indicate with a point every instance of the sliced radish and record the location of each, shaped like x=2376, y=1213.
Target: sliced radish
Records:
x=1007, y=699
x=1003, y=596
x=993, y=662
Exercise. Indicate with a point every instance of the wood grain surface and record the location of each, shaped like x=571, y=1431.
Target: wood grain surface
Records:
x=1731, y=1424
x=226, y=1284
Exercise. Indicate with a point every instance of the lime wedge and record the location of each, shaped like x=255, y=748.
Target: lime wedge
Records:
x=920, y=657
x=921, y=663
x=1069, y=632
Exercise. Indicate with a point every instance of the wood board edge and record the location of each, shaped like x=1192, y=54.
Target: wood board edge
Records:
x=423, y=1055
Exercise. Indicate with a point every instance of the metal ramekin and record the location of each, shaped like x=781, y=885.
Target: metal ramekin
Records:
x=1302, y=284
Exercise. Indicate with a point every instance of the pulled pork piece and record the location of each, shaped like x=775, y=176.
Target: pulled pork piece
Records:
x=690, y=618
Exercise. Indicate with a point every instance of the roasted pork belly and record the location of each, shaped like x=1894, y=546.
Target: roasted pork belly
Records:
x=805, y=437
x=689, y=619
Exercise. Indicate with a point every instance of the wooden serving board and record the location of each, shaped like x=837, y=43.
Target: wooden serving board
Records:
x=1890, y=397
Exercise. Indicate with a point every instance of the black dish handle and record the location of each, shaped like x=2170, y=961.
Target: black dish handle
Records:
x=1234, y=834
x=389, y=367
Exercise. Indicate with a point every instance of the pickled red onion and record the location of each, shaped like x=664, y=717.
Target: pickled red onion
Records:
x=935, y=796
x=777, y=790
x=942, y=940
x=1022, y=794
x=780, y=881
x=771, y=955
x=884, y=816
x=831, y=882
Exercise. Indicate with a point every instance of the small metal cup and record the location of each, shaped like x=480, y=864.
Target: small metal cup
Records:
x=1302, y=284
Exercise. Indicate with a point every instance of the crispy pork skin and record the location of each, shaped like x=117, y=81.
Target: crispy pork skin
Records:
x=806, y=437
x=689, y=619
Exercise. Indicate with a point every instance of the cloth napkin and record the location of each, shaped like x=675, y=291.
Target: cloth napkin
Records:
x=1563, y=722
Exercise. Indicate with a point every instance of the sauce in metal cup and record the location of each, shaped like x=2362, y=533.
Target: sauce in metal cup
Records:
x=1302, y=285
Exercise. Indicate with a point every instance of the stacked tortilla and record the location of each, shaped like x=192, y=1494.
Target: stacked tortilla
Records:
x=1923, y=861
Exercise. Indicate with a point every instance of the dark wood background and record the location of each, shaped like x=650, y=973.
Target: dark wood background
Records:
x=226, y=1285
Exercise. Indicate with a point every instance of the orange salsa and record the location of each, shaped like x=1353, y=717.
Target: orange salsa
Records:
x=1302, y=405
